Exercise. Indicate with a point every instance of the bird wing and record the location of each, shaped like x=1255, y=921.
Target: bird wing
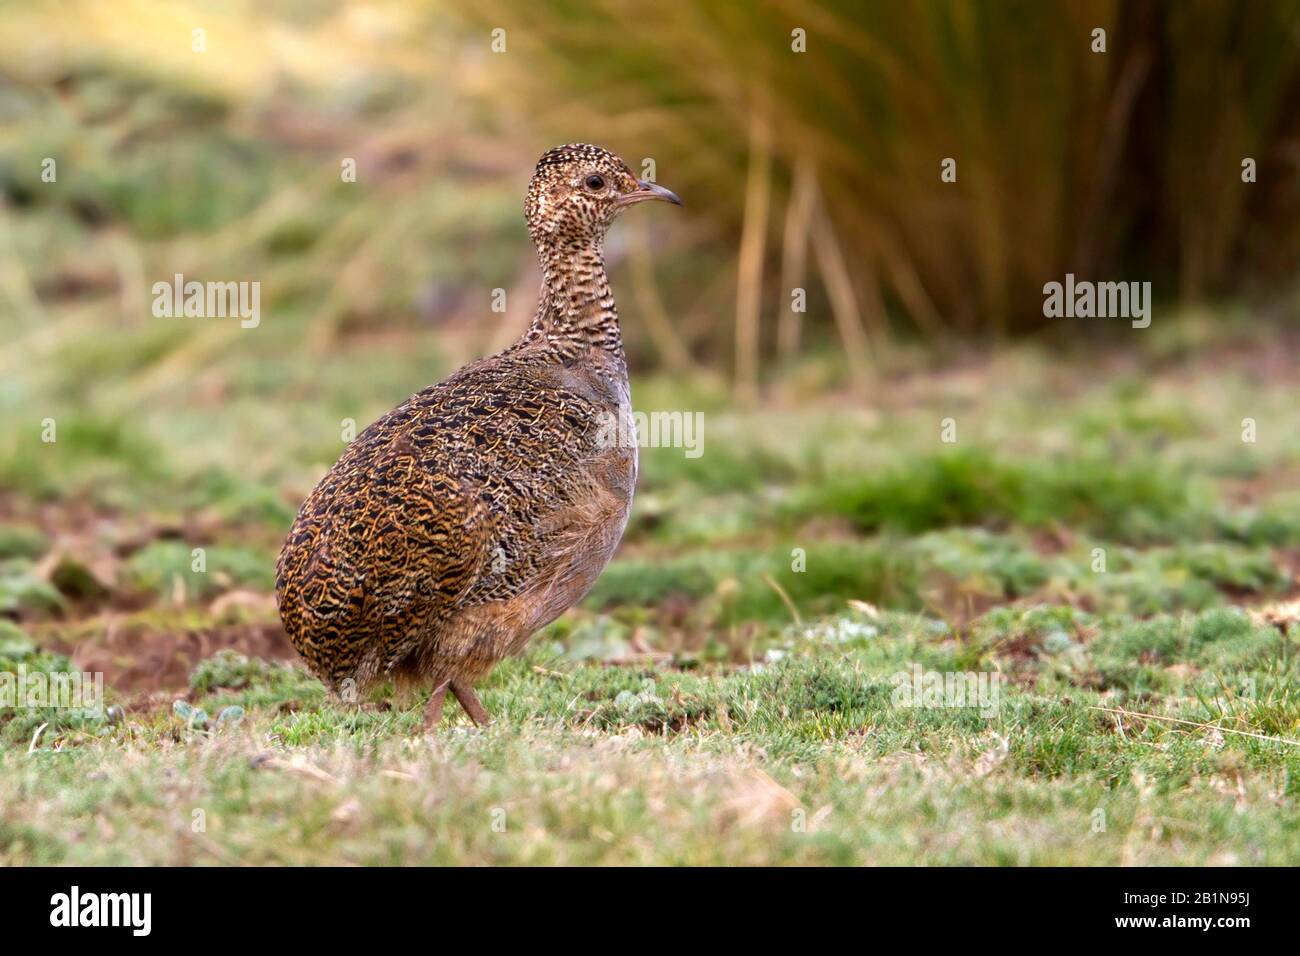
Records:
x=388, y=541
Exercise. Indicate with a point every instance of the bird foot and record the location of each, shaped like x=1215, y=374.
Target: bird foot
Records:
x=468, y=700
x=433, y=713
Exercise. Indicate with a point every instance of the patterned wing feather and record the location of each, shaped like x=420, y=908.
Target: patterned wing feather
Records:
x=387, y=543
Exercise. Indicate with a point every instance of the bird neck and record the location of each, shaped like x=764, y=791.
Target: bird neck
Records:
x=575, y=311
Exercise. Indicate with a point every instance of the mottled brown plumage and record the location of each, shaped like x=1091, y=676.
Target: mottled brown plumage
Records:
x=483, y=507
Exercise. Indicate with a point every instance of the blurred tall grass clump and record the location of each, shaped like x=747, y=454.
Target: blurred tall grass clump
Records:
x=1116, y=165
x=808, y=139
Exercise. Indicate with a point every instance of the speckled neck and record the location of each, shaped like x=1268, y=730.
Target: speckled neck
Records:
x=575, y=309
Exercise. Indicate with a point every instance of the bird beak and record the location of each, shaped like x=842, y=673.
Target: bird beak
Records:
x=646, y=191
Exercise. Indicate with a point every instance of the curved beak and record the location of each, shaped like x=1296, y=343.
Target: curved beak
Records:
x=646, y=191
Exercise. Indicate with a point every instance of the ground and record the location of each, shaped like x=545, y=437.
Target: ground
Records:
x=1109, y=542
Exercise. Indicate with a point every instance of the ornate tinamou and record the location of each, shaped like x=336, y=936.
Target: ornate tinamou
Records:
x=483, y=507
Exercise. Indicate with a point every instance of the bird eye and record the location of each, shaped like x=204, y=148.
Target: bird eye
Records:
x=595, y=183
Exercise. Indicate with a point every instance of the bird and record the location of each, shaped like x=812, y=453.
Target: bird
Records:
x=480, y=509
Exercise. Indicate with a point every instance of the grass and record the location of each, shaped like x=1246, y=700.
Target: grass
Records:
x=874, y=104
x=806, y=758
x=143, y=128
x=1086, y=524
x=728, y=691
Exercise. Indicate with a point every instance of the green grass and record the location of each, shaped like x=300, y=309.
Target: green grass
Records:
x=806, y=758
x=978, y=486
x=1098, y=535
x=726, y=693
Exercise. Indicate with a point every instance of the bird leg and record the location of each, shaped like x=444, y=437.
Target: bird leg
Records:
x=433, y=713
x=469, y=700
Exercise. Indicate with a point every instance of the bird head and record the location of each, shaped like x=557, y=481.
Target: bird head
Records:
x=578, y=189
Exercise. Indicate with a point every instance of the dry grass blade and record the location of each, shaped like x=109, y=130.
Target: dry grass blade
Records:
x=911, y=293
x=299, y=766
x=794, y=255
x=36, y=735
x=1195, y=723
x=753, y=237
x=844, y=302
x=785, y=598
x=672, y=350
x=521, y=301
